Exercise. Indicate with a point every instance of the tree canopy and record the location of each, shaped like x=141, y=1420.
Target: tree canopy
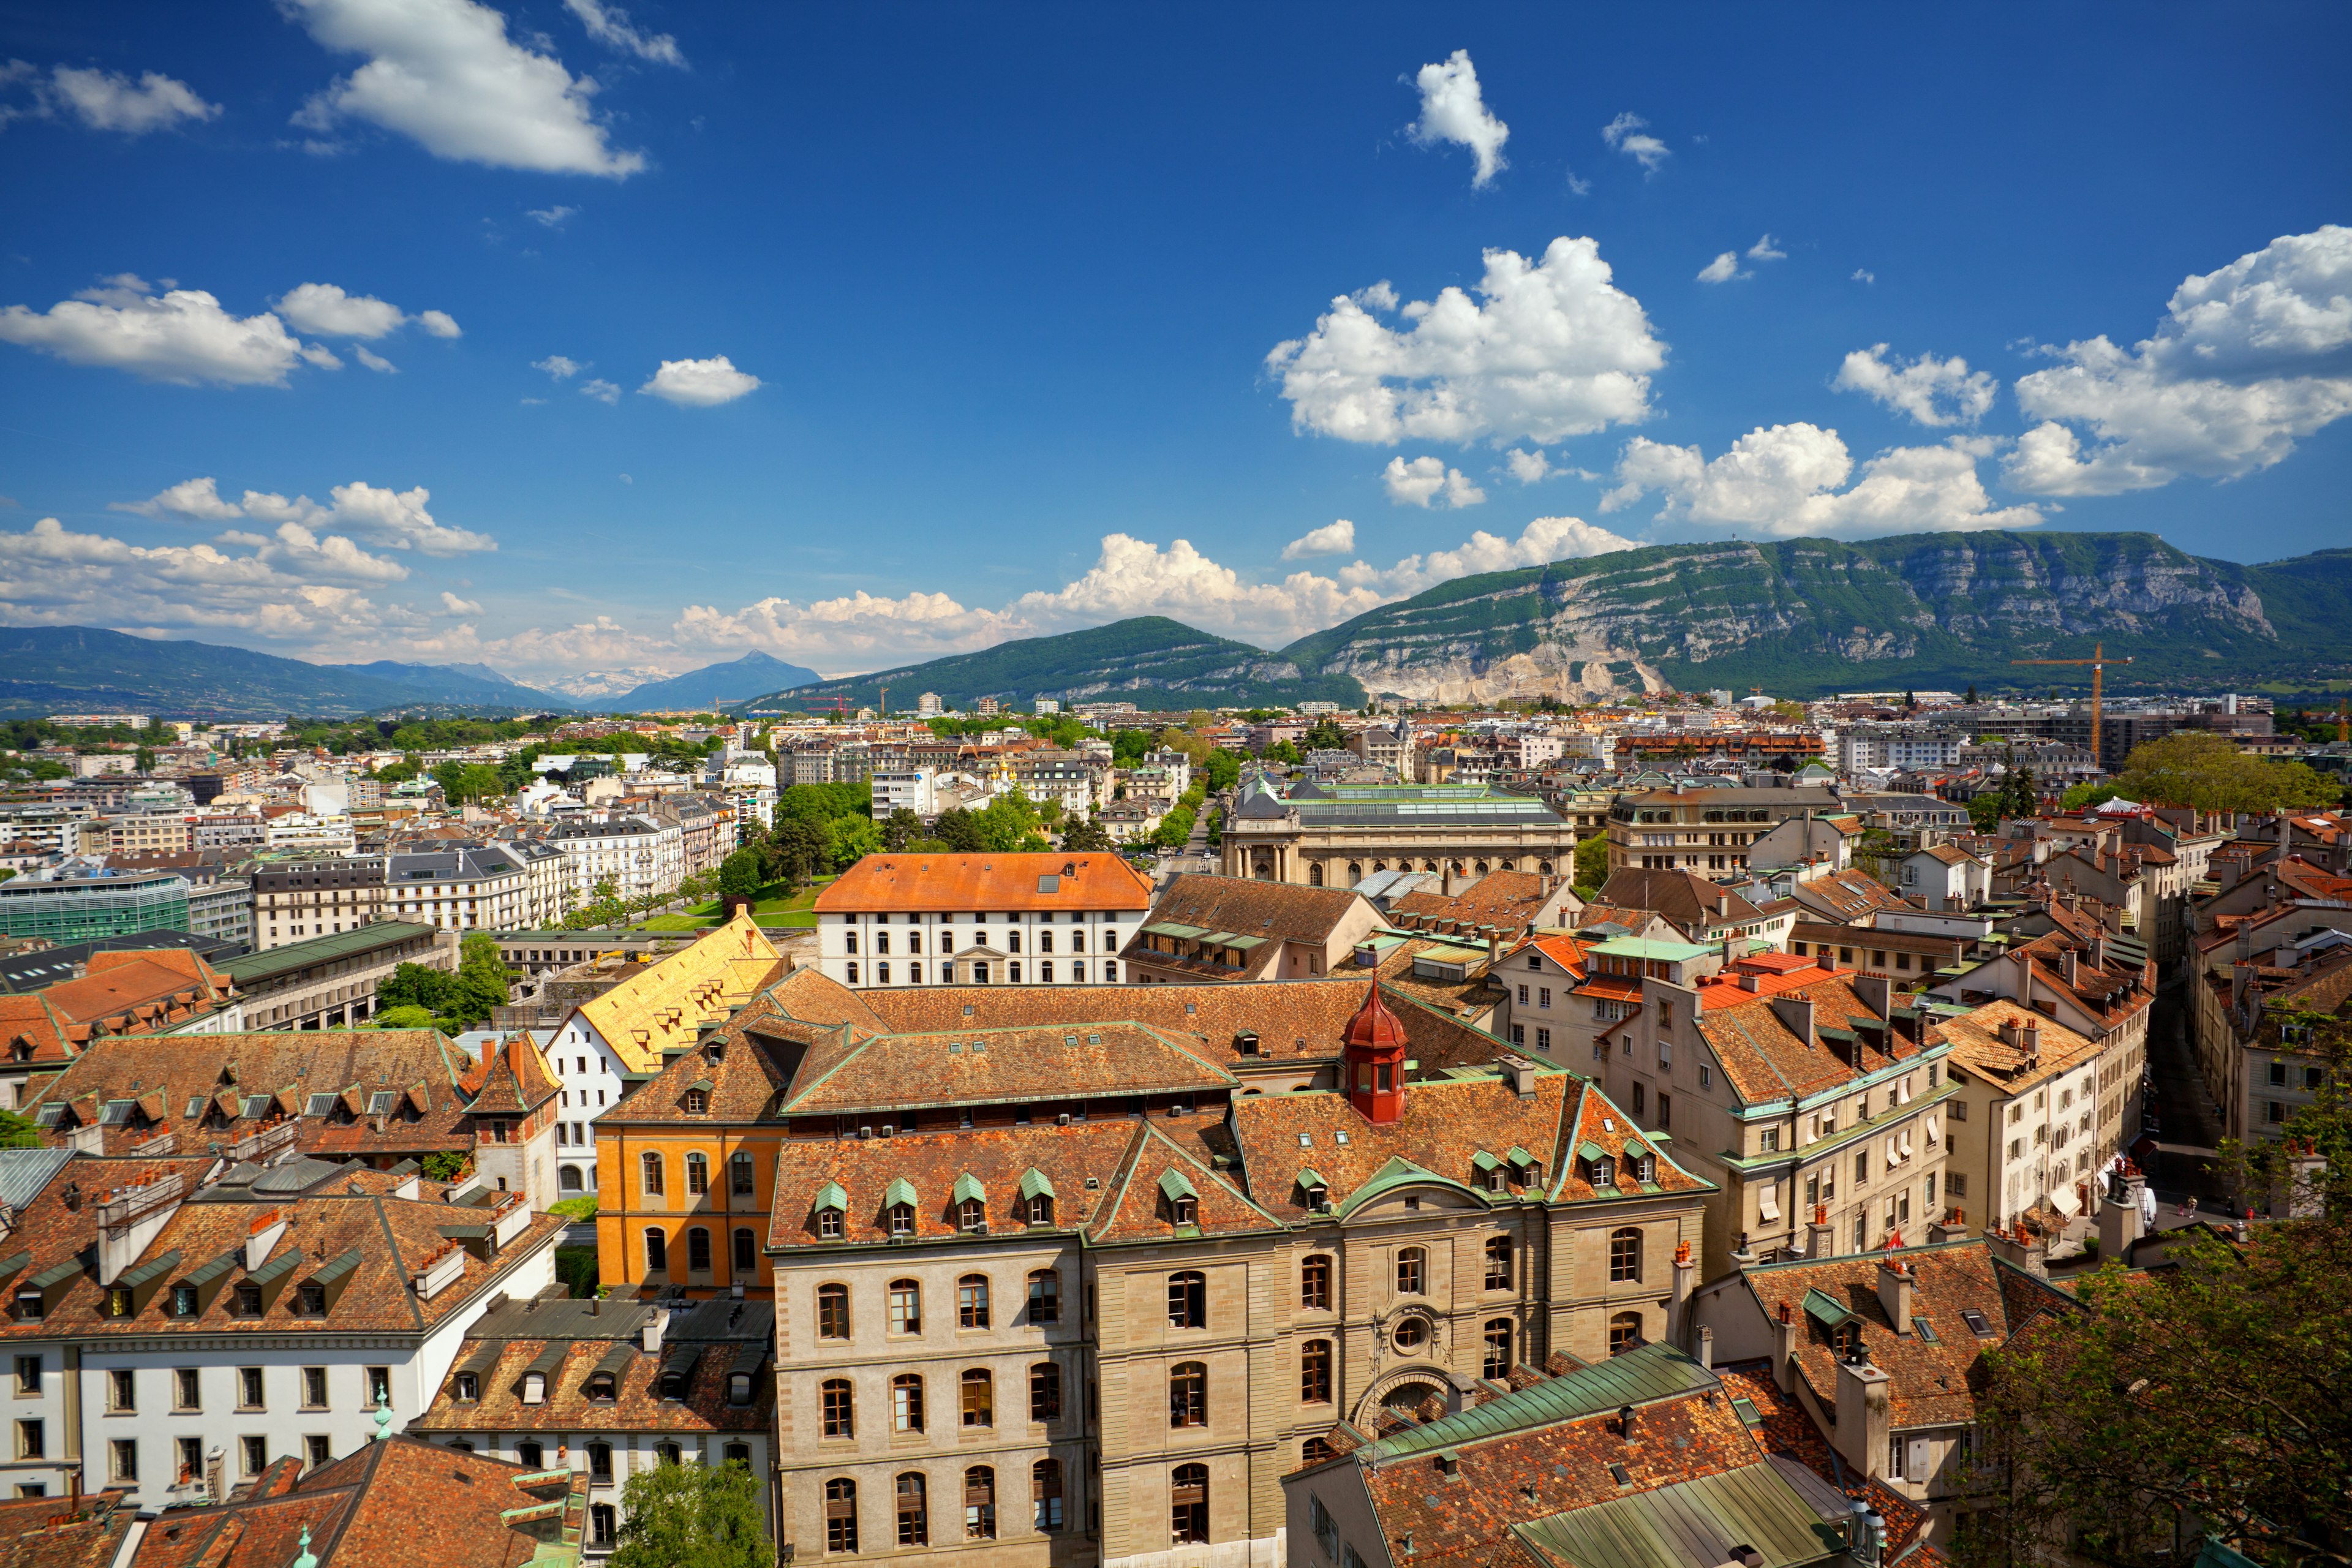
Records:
x=2201, y=769
x=692, y=1516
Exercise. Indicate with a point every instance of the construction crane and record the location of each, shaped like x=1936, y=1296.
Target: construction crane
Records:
x=882, y=703
x=2098, y=661
x=2343, y=723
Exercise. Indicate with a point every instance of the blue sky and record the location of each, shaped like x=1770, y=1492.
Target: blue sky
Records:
x=968, y=313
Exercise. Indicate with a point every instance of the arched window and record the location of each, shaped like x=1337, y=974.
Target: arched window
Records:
x=971, y=1215
x=914, y=1512
x=738, y=1453
x=650, y=1167
x=1355, y=872
x=1315, y=1283
x=1497, y=1363
x=1188, y=1505
x=906, y=1307
x=1045, y=1496
x=1044, y=1297
x=1187, y=1300
x=1314, y=1451
x=568, y=1177
x=747, y=1250
x=1498, y=1263
x=656, y=1251
x=1315, y=1373
x=1188, y=1395
x=1040, y=1209
x=833, y=1312
x=839, y=1413
x=972, y=1301
x=740, y=1180
x=1044, y=942
x=697, y=1174
x=1014, y=942
x=1412, y=1271
x=906, y=1403
x=978, y=1398
x=1625, y=1255
x=841, y=1515
x=1045, y=1392
x=697, y=1251
x=980, y=1504
x=1315, y=875
x=1624, y=1332
x=531, y=1454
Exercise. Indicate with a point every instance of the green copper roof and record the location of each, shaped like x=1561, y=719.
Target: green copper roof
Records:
x=831, y=1196
x=1823, y=1308
x=899, y=1191
x=968, y=1187
x=1485, y=1161
x=1033, y=1183
x=1652, y=1372
x=1174, y=1185
x=1698, y=1520
x=1309, y=1178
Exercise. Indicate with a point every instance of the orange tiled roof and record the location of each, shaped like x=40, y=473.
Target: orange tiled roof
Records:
x=1011, y=882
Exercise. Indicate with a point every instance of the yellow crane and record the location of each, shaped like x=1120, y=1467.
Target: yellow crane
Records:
x=2098, y=661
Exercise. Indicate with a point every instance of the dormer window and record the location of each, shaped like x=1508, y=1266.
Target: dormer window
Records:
x=971, y=1215
x=698, y=1101
x=739, y=1388
x=902, y=1219
x=828, y=1225
x=1040, y=1210
x=600, y=1388
x=184, y=1301
x=1184, y=1210
x=248, y=1300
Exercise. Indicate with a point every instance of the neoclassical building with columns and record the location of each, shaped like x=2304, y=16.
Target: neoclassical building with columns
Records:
x=1333, y=836
x=1056, y=1285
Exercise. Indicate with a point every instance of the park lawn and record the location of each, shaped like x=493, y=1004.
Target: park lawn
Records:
x=776, y=907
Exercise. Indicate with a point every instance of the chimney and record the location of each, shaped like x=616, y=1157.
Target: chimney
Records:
x=2119, y=1216
x=2028, y=1039
x=1706, y=1347
x=1625, y=1421
x=1784, y=1348
x=1723, y=906
x=2067, y=965
x=1818, y=1238
x=1859, y=1434
x=1796, y=1015
x=266, y=1230
x=1953, y=1226
x=650, y=1337
x=1895, y=1287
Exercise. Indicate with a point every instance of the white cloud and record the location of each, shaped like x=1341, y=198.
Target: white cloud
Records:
x=293, y=586
x=1426, y=478
x=108, y=101
x=197, y=498
x=1765, y=250
x=609, y=25
x=1863, y=275
x=1628, y=134
x=2249, y=360
x=603, y=391
x=326, y=310
x=551, y=217
x=1543, y=541
x=458, y=607
x=373, y=361
x=182, y=336
x=1723, y=268
x=1935, y=392
x=560, y=366
x=439, y=323
x=1451, y=109
x=1576, y=187
x=1332, y=539
x=1784, y=482
x=1556, y=350
x=1528, y=466
x=699, y=383
x=444, y=73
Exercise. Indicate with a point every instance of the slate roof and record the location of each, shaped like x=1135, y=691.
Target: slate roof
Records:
x=399, y=1501
x=1928, y=1381
x=510, y=1078
x=1009, y=882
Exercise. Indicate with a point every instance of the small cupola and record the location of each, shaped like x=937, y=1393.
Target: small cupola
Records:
x=1373, y=1060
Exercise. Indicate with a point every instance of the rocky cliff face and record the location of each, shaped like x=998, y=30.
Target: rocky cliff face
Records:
x=1802, y=615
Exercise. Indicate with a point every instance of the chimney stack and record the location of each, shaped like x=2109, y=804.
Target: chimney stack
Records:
x=1895, y=1293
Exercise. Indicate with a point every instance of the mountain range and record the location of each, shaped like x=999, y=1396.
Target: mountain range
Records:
x=1798, y=617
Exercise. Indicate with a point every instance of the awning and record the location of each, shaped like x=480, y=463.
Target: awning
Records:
x=1893, y=1158
x=1906, y=1143
x=1903, y=1092
x=2065, y=1200
x=1935, y=1130
x=1767, y=1200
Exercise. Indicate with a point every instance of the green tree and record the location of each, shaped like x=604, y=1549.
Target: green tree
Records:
x=1283, y=752
x=2083, y=795
x=901, y=830
x=1984, y=811
x=692, y=1516
x=405, y=1017
x=1010, y=823
x=796, y=849
x=2197, y=768
x=738, y=874
x=1127, y=746
x=1088, y=835
x=960, y=830
x=462, y=784
x=418, y=986
x=18, y=1133
x=481, y=982
x=1591, y=865
x=1222, y=770
x=849, y=837
x=1327, y=736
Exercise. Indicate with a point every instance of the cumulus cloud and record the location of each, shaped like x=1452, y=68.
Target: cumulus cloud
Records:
x=1528, y=466
x=1863, y=275
x=603, y=391
x=609, y=26
x=2249, y=360
x=1451, y=109
x=1555, y=350
x=182, y=336
x=1723, y=268
x=199, y=500
x=373, y=361
x=326, y=310
x=1332, y=539
x=109, y=100
x=560, y=366
x=699, y=383
x=1419, y=483
x=444, y=73
x=438, y=323
x=1935, y=392
x=397, y=519
x=290, y=585
x=1765, y=250
x=455, y=605
x=1629, y=135
x=1787, y=480
x=1543, y=541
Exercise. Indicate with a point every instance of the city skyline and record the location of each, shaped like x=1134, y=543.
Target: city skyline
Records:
x=567, y=339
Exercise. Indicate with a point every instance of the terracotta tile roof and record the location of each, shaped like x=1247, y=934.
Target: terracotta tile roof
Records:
x=1013, y=883
x=510, y=1077
x=218, y=1089
x=398, y=1501
x=1247, y=907
x=1560, y=947
x=1948, y=855
x=46, y=1532
x=1475, y=994
x=745, y=1076
x=667, y=1003
x=1788, y=1432
x=498, y=1356
x=31, y=1031
x=1156, y=1170
x=1507, y=900
x=1928, y=1381
x=1848, y=895
x=137, y=990
x=1978, y=1045
x=1004, y=1066
x=1685, y=898
x=932, y=1163
x=1763, y=1058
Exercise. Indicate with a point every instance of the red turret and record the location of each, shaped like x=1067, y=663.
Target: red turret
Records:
x=1374, y=1062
